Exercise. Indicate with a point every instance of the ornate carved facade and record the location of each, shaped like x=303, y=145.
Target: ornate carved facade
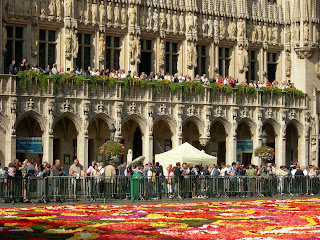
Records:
x=247, y=39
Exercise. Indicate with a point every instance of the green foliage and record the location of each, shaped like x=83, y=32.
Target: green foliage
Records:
x=214, y=87
x=244, y=89
x=291, y=93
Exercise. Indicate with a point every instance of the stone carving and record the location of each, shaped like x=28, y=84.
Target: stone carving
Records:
x=29, y=104
x=181, y=21
x=222, y=28
x=204, y=25
x=233, y=30
x=132, y=15
x=189, y=22
x=4, y=37
x=313, y=148
x=94, y=12
x=102, y=12
x=132, y=108
x=87, y=13
x=75, y=45
x=253, y=33
x=191, y=110
x=275, y=34
x=68, y=44
x=162, y=19
x=13, y=115
x=50, y=116
x=288, y=34
x=51, y=7
x=190, y=52
x=149, y=19
x=243, y=60
x=26, y=7
x=216, y=28
x=138, y=50
x=58, y=10
x=132, y=48
x=162, y=53
x=297, y=33
x=241, y=28
x=17, y=8
x=34, y=10
x=123, y=14
x=102, y=48
x=42, y=9
x=265, y=32
x=129, y=157
x=35, y=41
x=116, y=14
x=210, y=27
x=317, y=36
x=67, y=8
x=288, y=64
x=162, y=109
x=259, y=33
x=80, y=10
x=168, y=18
x=109, y=13
x=270, y=33
x=100, y=107
x=141, y=20
x=175, y=25
x=306, y=32
x=155, y=20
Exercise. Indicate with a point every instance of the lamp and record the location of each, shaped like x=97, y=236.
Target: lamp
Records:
x=264, y=136
x=112, y=130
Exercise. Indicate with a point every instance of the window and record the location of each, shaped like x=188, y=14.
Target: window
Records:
x=272, y=1
x=272, y=61
x=224, y=61
x=251, y=74
x=113, y=52
x=146, y=56
x=14, y=46
x=171, y=57
x=84, y=53
x=202, y=57
x=47, y=48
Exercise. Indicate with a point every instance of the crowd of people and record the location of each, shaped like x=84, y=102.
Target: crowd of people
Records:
x=173, y=180
x=120, y=74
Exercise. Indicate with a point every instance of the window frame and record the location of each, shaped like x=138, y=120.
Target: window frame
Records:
x=47, y=42
x=170, y=55
x=112, y=48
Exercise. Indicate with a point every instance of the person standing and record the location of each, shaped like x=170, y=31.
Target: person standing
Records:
x=12, y=67
x=110, y=174
x=57, y=172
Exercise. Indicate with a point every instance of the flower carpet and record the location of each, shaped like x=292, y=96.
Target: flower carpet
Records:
x=255, y=219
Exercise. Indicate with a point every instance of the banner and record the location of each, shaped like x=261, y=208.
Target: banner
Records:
x=244, y=146
x=29, y=145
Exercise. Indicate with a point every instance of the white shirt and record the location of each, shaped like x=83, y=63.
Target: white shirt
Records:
x=54, y=70
x=223, y=171
x=293, y=172
x=101, y=170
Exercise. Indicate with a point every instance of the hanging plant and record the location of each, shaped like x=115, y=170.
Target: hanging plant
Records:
x=264, y=152
x=112, y=149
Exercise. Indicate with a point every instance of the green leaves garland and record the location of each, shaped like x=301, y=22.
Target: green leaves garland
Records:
x=244, y=89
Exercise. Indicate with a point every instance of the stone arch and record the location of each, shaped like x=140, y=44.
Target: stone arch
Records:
x=164, y=129
x=35, y=115
x=105, y=117
x=192, y=130
x=137, y=118
x=71, y=116
x=199, y=123
x=226, y=124
x=274, y=123
x=297, y=124
x=169, y=120
x=249, y=122
x=293, y=132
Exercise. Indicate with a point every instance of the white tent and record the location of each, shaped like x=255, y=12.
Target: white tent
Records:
x=184, y=153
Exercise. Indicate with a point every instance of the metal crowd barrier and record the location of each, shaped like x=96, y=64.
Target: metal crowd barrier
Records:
x=68, y=188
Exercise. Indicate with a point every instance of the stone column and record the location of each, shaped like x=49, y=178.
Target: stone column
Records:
x=303, y=150
x=82, y=149
x=231, y=148
x=280, y=149
x=47, y=147
x=10, y=148
x=147, y=147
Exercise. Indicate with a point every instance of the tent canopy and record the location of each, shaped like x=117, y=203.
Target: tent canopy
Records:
x=184, y=153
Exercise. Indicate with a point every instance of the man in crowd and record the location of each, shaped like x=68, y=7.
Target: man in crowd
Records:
x=12, y=67
x=75, y=171
x=57, y=172
x=110, y=174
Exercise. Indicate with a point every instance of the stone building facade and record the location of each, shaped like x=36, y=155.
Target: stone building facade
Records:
x=246, y=39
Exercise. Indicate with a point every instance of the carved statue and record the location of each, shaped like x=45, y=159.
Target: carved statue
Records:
x=288, y=34
x=233, y=29
x=132, y=15
x=306, y=32
x=259, y=33
x=35, y=40
x=204, y=25
x=162, y=53
x=149, y=18
x=123, y=14
x=270, y=33
x=175, y=25
x=109, y=13
x=129, y=157
x=155, y=19
x=189, y=22
x=265, y=32
x=42, y=9
x=216, y=28
x=4, y=37
x=34, y=8
x=117, y=14
x=94, y=12
x=75, y=45
x=102, y=47
x=87, y=12
x=317, y=33
x=241, y=28
x=288, y=65
x=68, y=42
x=168, y=18
x=102, y=12
x=222, y=28
x=26, y=7
x=10, y=6
x=67, y=8
x=17, y=7
x=162, y=19
x=141, y=20
x=210, y=30
x=80, y=9
x=195, y=22
x=275, y=34
x=58, y=9
x=132, y=47
x=51, y=8
x=253, y=34
x=181, y=20
x=138, y=49
x=189, y=53
x=243, y=59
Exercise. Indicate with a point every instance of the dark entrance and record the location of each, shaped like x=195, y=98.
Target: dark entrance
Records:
x=137, y=143
x=221, y=152
x=145, y=64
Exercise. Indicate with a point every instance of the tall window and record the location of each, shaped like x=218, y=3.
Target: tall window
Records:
x=84, y=53
x=47, y=48
x=253, y=66
x=113, y=52
x=14, y=46
x=172, y=57
x=224, y=61
x=272, y=61
x=146, y=56
x=202, y=65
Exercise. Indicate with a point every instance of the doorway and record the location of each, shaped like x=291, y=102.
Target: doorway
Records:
x=137, y=143
x=145, y=64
